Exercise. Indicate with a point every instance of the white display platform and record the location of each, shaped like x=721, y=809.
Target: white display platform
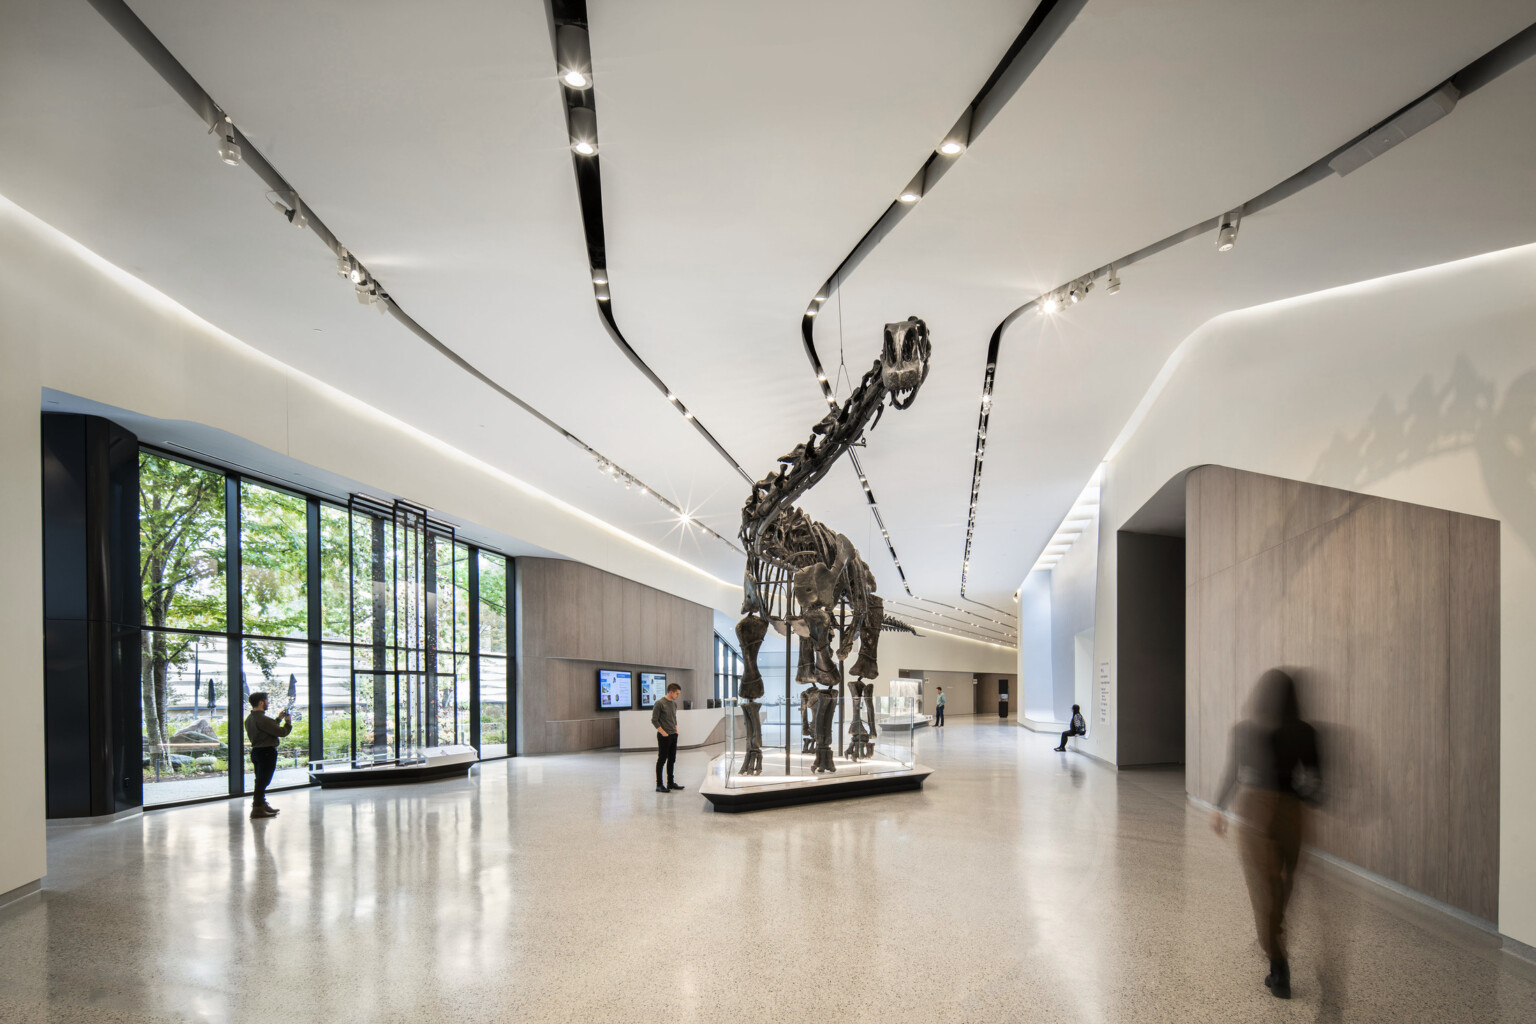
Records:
x=751, y=793
x=695, y=727
x=434, y=763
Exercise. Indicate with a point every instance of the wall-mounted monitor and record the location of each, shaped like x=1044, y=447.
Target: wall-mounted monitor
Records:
x=613, y=689
x=653, y=686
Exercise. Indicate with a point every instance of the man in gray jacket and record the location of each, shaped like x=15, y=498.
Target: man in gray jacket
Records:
x=664, y=718
x=264, y=734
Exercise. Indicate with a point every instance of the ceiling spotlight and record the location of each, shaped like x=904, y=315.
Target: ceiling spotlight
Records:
x=1226, y=237
x=573, y=52
x=958, y=137
x=671, y=397
x=599, y=276
x=1114, y=282
x=357, y=275
x=343, y=261
x=914, y=190
x=811, y=312
x=601, y=291
x=644, y=489
x=584, y=130
x=229, y=149
x=1074, y=296
x=687, y=414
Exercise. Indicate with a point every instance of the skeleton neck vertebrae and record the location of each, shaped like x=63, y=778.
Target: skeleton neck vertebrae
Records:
x=804, y=578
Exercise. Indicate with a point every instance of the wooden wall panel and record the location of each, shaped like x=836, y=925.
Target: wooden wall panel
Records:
x=574, y=619
x=1387, y=615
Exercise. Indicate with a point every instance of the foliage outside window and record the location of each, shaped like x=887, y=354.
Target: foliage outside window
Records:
x=187, y=587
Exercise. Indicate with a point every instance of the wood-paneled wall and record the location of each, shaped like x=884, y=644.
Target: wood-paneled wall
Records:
x=572, y=620
x=1388, y=615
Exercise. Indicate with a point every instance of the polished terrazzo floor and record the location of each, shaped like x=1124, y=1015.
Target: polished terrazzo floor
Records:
x=1020, y=885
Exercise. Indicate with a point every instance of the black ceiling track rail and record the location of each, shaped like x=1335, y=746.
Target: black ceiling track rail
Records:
x=157, y=56
x=581, y=121
x=1508, y=54
x=1045, y=26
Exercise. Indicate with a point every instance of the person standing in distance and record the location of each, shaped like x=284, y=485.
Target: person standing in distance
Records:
x=938, y=710
x=1079, y=728
x=264, y=734
x=664, y=718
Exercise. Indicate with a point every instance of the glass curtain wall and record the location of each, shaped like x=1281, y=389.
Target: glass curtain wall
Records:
x=728, y=666
x=248, y=587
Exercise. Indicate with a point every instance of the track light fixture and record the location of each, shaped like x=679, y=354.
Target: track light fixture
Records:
x=599, y=276
x=292, y=211
x=914, y=190
x=601, y=292
x=1113, y=287
x=584, y=131
x=1226, y=237
x=1047, y=304
x=958, y=137
x=229, y=149
x=343, y=261
x=573, y=53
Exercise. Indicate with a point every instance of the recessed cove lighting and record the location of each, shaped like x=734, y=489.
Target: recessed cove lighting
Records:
x=908, y=196
x=575, y=79
x=950, y=147
x=584, y=147
x=599, y=277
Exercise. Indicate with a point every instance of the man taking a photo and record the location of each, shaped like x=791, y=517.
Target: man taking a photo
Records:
x=264, y=734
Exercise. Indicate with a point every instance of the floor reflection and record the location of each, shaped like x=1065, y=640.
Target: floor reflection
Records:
x=1018, y=882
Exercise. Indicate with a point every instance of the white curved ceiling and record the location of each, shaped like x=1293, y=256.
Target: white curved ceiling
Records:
x=745, y=149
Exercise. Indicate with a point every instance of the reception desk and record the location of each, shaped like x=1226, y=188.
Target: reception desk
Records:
x=696, y=727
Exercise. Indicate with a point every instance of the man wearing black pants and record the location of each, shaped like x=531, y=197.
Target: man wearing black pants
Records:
x=264, y=734
x=664, y=718
x=1079, y=727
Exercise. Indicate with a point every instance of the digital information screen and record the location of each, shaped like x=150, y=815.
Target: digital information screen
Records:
x=613, y=689
x=653, y=686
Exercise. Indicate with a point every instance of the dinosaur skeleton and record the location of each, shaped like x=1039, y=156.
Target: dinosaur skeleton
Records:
x=804, y=577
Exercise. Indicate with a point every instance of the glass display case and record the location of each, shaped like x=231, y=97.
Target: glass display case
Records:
x=788, y=746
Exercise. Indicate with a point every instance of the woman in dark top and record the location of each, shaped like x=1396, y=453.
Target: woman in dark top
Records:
x=1275, y=758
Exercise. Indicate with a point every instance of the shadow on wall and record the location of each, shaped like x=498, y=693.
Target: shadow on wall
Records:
x=1466, y=412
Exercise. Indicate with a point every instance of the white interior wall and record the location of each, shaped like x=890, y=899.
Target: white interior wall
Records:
x=70, y=322
x=1036, y=680
x=1419, y=387
x=1072, y=611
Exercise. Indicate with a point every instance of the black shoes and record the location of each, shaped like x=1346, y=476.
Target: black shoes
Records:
x=662, y=789
x=1279, y=979
x=673, y=785
x=1060, y=750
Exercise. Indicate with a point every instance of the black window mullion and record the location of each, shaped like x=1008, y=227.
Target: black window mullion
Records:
x=234, y=622
x=473, y=643
x=316, y=628
x=511, y=620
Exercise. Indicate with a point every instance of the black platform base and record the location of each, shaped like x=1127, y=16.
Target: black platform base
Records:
x=759, y=798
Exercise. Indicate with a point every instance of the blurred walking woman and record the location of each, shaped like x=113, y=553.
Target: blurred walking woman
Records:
x=1275, y=758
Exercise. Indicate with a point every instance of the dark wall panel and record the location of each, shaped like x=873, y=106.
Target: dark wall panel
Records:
x=1150, y=641
x=574, y=619
x=1388, y=615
